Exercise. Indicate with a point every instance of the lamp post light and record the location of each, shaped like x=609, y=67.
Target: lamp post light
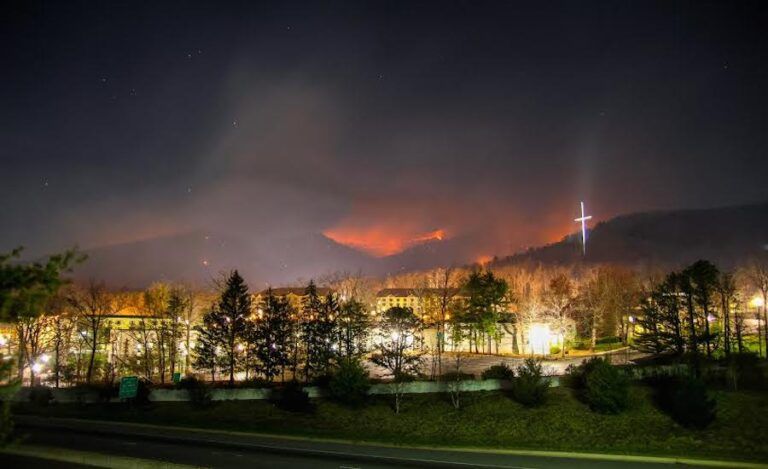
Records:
x=757, y=302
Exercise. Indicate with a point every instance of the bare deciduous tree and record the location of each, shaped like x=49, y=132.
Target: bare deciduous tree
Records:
x=756, y=273
x=93, y=304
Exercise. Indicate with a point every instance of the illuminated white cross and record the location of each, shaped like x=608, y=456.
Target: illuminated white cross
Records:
x=583, y=221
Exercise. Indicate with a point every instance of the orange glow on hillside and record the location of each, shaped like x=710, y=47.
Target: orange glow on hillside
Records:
x=556, y=234
x=480, y=230
x=484, y=259
x=379, y=240
x=436, y=235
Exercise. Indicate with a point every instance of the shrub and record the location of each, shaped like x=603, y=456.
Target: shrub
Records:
x=576, y=375
x=108, y=391
x=581, y=344
x=500, y=371
x=291, y=397
x=554, y=350
x=255, y=382
x=571, y=378
x=608, y=340
x=350, y=384
x=606, y=389
x=144, y=390
x=40, y=395
x=530, y=388
x=601, y=385
x=744, y=371
x=685, y=399
x=101, y=392
x=200, y=394
x=322, y=381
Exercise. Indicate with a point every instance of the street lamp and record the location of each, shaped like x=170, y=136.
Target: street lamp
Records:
x=758, y=302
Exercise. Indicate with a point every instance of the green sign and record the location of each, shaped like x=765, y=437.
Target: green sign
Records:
x=129, y=385
x=176, y=378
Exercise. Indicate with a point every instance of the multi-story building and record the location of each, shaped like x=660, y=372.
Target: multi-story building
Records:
x=130, y=318
x=425, y=302
x=129, y=329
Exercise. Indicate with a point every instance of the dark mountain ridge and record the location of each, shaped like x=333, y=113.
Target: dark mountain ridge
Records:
x=725, y=235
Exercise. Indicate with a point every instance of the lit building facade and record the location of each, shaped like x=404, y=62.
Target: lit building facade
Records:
x=425, y=302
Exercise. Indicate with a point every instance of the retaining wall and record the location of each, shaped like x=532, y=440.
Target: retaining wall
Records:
x=73, y=395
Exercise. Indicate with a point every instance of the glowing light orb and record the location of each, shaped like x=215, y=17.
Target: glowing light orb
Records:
x=539, y=338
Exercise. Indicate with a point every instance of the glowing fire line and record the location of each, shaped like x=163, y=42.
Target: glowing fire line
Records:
x=379, y=242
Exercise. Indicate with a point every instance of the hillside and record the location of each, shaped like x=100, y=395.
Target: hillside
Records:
x=725, y=235
x=198, y=258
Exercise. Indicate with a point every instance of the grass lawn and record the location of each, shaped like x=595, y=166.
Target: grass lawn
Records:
x=488, y=419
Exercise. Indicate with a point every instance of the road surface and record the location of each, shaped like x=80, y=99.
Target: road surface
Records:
x=195, y=448
x=475, y=363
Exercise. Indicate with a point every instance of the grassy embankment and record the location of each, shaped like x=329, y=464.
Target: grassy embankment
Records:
x=488, y=420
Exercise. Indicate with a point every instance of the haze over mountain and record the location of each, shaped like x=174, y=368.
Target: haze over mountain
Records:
x=725, y=235
x=377, y=124
x=198, y=258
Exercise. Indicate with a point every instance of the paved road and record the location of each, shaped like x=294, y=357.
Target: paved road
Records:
x=15, y=461
x=476, y=364
x=230, y=450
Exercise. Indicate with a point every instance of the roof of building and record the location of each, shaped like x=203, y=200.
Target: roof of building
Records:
x=403, y=292
x=133, y=312
x=137, y=317
x=129, y=311
x=298, y=291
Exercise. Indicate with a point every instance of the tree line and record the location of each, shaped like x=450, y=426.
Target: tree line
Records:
x=701, y=311
x=69, y=331
x=275, y=338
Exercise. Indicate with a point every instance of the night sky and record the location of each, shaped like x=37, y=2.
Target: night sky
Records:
x=376, y=123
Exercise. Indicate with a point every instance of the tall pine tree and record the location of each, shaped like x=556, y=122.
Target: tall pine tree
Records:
x=486, y=302
x=352, y=331
x=225, y=327
x=177, y=303
x=325, y=345
x=704, y=276
x=660, y=325
x=273, y=336
x=311, y=310
x=205, y=349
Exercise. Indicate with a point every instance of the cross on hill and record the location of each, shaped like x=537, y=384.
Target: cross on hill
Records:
x=583, y=219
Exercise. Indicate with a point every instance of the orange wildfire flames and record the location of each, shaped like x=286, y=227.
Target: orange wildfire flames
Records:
x=381, y=241
x=484, y=259
x=382, y=229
